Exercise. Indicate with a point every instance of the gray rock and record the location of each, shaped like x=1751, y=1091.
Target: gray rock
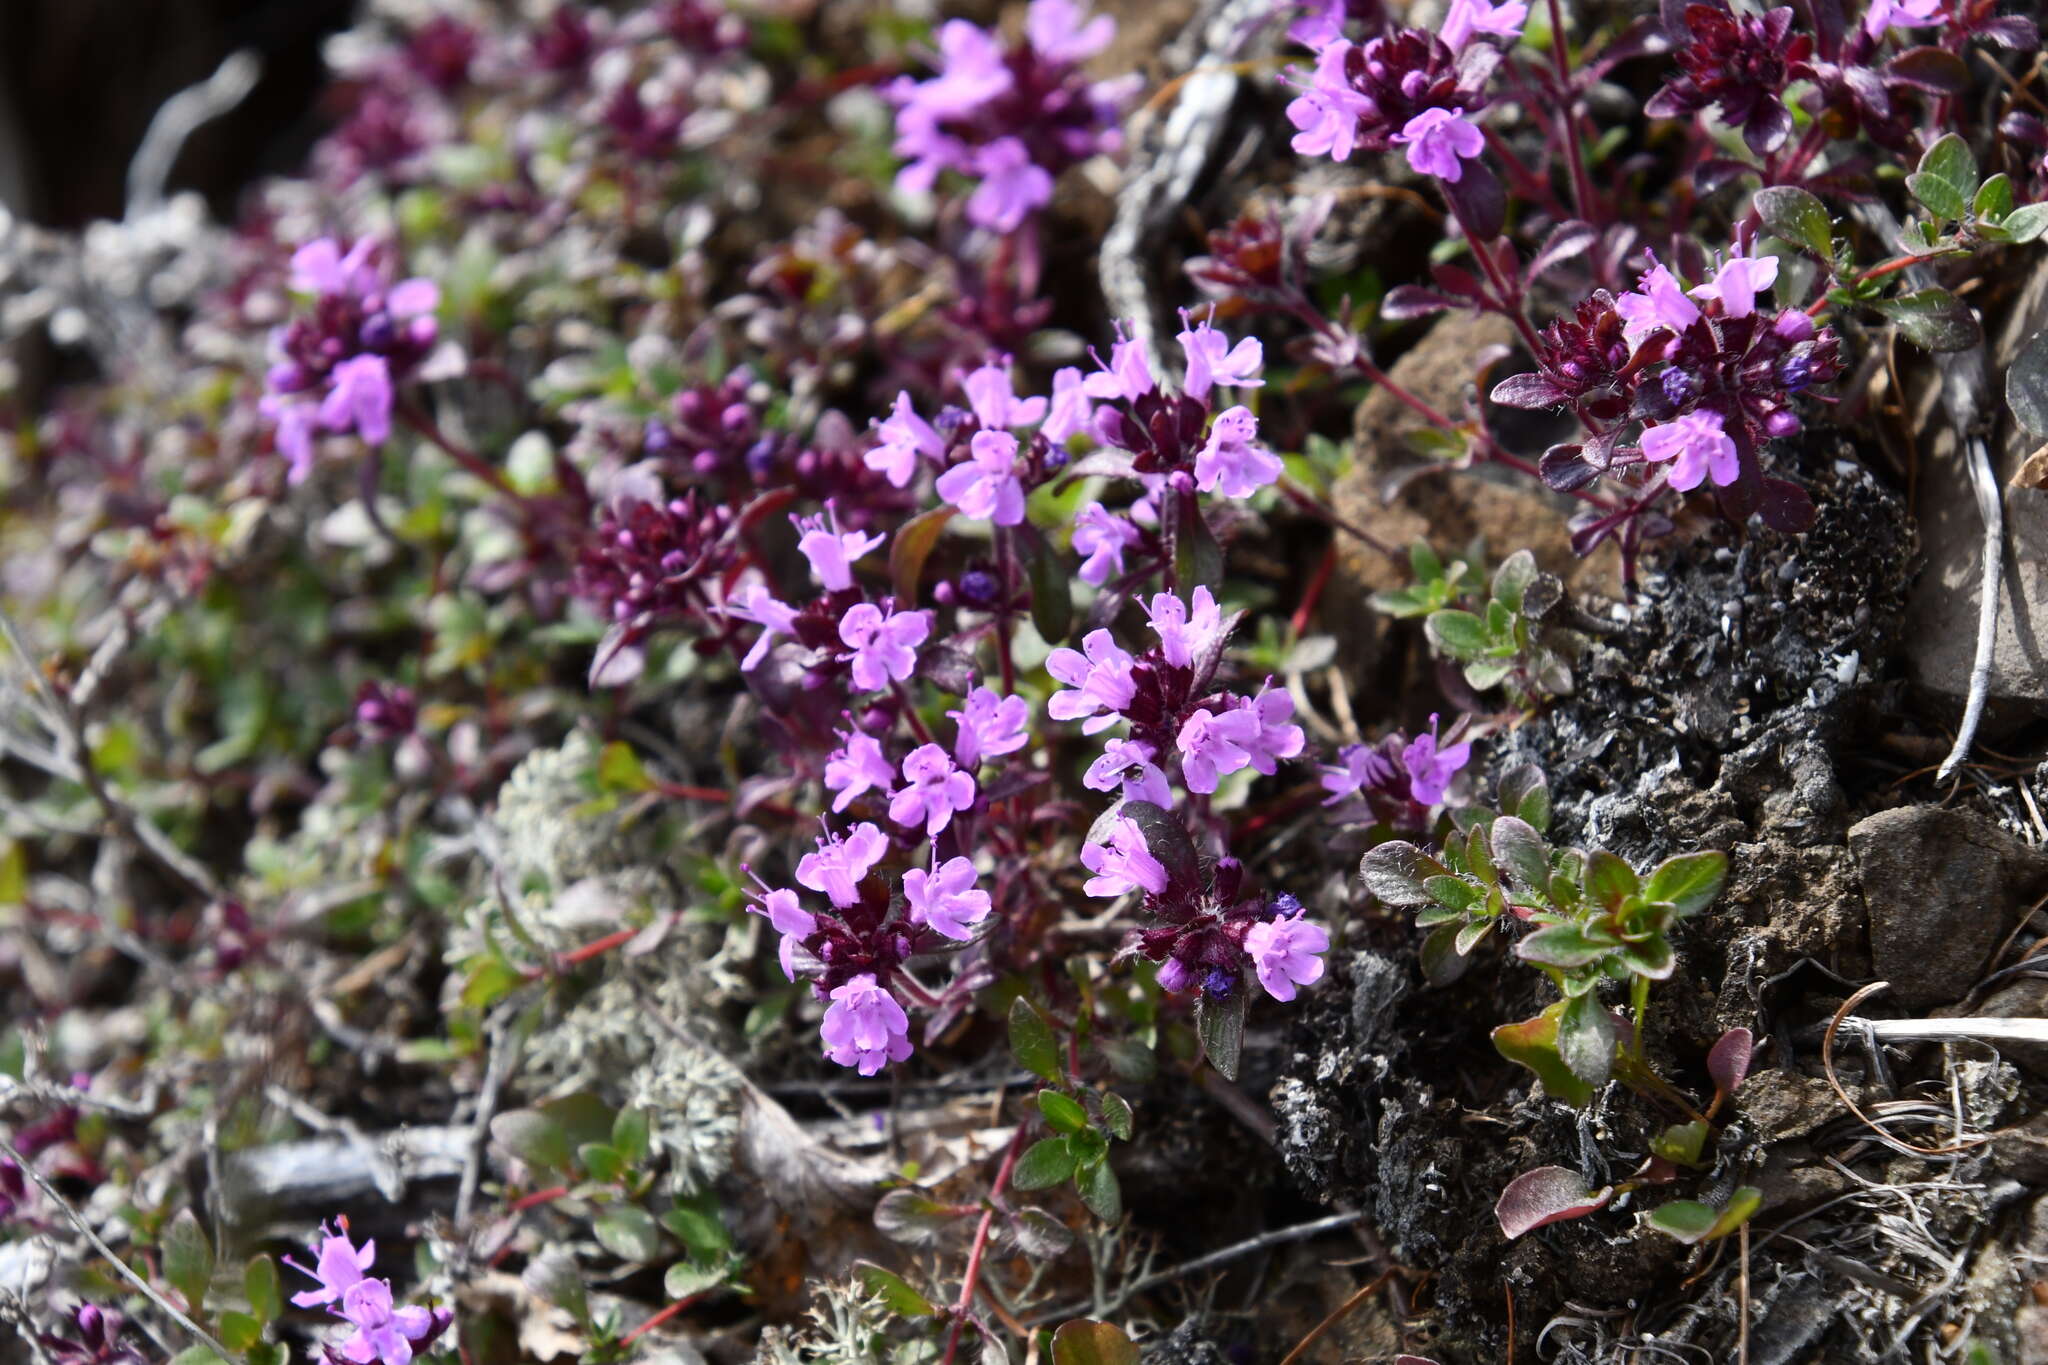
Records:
x=1939, y=887
x=1941, y=632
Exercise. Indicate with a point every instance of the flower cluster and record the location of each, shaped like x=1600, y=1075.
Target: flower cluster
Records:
x=1010, y=118
x=651, y=562
x=1711, y=373
x=1411, y=89
x=338, y=367
x=1399, y=781
x=1738, y=65
x=383, y=1333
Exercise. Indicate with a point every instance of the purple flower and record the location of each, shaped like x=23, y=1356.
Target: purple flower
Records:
x=1070, y=411
x=791, y=920
x=864, y=1027
x=338, y=1267
x=830, y=550
x=1430, y=768
x=1327, y=111
x=1697, y=446
x=1738, y=282
x=946, y=898
x=986, y=487
x=1469, y=18
x=1056, y=32
x=1102, y=537
x=904, y=437
x=971, y=73
x=98, y=1341
x=360, y=399
x=883, y=644
x=1358, y=766
x=319, y=267
x=1214, y=745
x=382, y=1333
x=1183, y=634
x=1286, y=953
x=1889, y=14
x=296, y=423
x=1126, y=376
x=1231, y=462
x=1012, y=186
x=756, y=604
x=1098, y=679
x=837, y=865
x=1212, y=360
x=935, y=790
x=1118, y=756
x=990, y=725
x=1440, y=141
x=1276, y=739
x=857, y=767
x=992, y=393
x=1660, y=301
x=1123, y=864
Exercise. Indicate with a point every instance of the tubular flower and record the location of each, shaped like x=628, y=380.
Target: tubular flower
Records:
x=864, y=1027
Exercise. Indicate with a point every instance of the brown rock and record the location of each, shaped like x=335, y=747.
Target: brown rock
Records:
x=1939, y=886
x=1785, y=1104
x=1448, y=508
x=2026, y=998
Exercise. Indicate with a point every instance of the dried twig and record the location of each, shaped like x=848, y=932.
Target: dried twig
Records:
x=1315, y=1333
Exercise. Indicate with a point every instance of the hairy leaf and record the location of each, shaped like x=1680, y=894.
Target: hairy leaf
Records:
x=1548, y=1194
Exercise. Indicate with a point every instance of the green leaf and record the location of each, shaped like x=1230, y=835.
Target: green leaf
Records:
x=1441, y=961
x=1933, y=319
x=696, y=1224
x=1062, y=1113
x=1652, y=958
x=1100, y=1191
x=1797, y=217
x=1513, y=578
x=1425, y=564
x=1941, y=198
x=188, y=1259
x=1532, y=1043
x=534, y=1138
x=1950, y=159
x=1116, y=1116
x=895, y=1291
x=2026, y=385
x=554, y=1276
x=912, y=546
x=1681, y=1143
x=1469, y=936
x=1691, y=1222
x=628, y=1232
x=914, y=1218
x=1197, y=558
x=1396, y=872
x=602, y=1162
x=1031, y=1040
x=1525, y=793
x=632, y=1134
x=1561, y=945
x=1221, y=1026
x=1688, y=882
x=1044, y=1164
x=1993, y=199
x=1052, y=594
x=620, y=770
x=687, y=1278
x=239, y=1331
x=2026, y=222
x=1404, y=602
x=260, y=1287
x=1086, y=1342
x=267, y=1353
x=197, y=1355
x=1521, y=852
x=1485, y=674
x=1459, y=634
x=1585, y=1038
x=1454, y=892
x=1610, y=881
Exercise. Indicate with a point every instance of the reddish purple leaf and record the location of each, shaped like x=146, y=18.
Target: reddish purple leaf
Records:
x=1406, y=301
x=1529, y=390
x=1930, y=68
x=1548, y=1194
x=1728, y=1062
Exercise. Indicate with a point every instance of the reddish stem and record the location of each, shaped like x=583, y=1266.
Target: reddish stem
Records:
x=575, y=956
x=1582, y=185
x=683, y=793
x=476, y=464
x=988, y=1218
x=659, y=1318
x=539, y=1197
x=1314, y=592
